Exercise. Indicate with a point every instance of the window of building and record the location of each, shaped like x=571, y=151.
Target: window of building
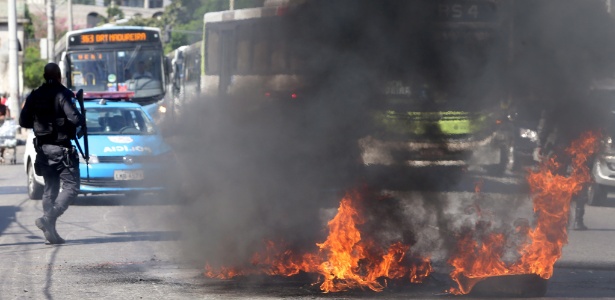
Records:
x=155, y=3
x=133, y=3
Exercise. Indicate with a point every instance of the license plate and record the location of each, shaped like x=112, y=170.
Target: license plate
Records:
x=128, y=175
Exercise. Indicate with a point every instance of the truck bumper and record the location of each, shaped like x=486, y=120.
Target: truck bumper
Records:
x=447, y=152
x=603, y=171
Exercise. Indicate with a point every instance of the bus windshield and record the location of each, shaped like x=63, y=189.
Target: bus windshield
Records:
x=137, y=70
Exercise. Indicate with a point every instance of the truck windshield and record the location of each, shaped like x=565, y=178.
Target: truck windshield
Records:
x=134, y=70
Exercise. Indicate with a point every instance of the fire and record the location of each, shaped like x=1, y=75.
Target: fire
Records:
x=480, y=256
x=345, y=260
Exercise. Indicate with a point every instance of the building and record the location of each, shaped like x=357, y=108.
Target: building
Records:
x=4, y=42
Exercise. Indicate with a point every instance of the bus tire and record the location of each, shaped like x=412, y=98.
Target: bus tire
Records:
x=35, y=189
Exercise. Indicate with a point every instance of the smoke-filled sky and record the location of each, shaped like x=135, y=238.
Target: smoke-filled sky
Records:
x=277, y=171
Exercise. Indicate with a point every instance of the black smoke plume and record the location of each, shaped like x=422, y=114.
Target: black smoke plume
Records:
x=257, y=171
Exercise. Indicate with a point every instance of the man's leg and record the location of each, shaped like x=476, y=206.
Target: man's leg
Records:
x=579, y=210
x=50, y=192
x=70, y=189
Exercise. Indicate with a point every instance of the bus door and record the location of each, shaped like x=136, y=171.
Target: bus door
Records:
x=65, y=69
x=227, y=59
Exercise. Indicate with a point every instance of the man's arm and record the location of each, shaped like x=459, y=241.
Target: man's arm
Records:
x=26, y=118
x=70, y=109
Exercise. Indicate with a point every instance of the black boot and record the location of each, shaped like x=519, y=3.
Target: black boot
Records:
x=579, y=212
x=59, y=239
x=45, y=225
x=578, y=225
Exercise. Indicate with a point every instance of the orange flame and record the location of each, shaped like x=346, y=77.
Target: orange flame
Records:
x=345, y=260
x=477, y=258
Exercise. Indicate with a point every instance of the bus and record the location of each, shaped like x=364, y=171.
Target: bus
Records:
x=246, y=49
x=417, y=117
x=121, y=62
x=184, y=78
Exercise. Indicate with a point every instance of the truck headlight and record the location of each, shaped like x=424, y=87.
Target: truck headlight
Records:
x=528, y=134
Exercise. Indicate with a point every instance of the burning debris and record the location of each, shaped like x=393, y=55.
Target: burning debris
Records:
x=347, y=259
x=351, y=259
x=479, y=255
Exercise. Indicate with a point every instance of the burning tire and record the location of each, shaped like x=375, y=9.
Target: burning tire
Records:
x=526, y=285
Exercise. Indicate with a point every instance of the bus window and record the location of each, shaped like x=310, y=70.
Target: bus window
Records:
x=213, y=52
x=118, y=71
x=244, y=45
x=278, y=57
x=91, y=69
x=260, y=64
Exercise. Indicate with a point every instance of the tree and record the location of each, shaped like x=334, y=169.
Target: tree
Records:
x=114, y=13
x=39, y=26
x=33, y=67
x=28, y=27
x=186, y=17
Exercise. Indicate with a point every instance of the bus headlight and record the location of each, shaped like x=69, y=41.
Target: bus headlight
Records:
x=93, y=159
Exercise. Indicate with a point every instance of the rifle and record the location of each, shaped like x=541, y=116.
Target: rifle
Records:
x=84, y=132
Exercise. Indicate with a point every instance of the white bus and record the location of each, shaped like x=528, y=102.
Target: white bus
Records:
x=114, y=62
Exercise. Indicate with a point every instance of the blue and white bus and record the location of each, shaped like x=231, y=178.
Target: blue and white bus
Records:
x=121, y=62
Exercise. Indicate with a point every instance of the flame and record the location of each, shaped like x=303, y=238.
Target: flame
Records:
x=345, y=260
x=477, y=256
x=274, y=260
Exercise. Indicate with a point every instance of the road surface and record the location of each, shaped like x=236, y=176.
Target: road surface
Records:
x=121, y=248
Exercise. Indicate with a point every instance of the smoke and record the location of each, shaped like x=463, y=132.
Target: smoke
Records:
x=258, y=170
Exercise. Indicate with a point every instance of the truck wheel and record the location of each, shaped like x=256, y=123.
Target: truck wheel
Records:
x=504, y=164
x=35, y=189
x=596, y=195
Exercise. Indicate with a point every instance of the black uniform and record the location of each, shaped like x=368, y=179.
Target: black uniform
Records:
x=51, y=111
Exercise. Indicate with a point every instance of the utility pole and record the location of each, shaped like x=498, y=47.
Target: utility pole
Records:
x=13, y=102
x=51, y=41
x=70, y=15
x=231, y=4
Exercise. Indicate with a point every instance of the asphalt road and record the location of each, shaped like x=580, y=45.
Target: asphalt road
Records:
x=121, y=248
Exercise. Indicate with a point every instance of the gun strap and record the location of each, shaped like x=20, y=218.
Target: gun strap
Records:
x=79, y=148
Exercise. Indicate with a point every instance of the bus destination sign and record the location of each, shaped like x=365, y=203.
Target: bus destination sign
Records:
x=113, y=38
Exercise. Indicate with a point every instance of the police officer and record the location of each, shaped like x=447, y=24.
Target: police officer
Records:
x=51, y=111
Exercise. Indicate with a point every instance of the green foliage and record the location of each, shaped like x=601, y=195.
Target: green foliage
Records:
x=186, y=18
x=33, y=67
x=184, y=34
x=140, y=21
x=29, y=26
x=114, y=13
